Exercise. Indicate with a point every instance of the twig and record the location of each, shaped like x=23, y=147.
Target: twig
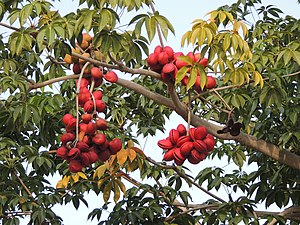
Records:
x=22, y=183
x=223, y=100
x=157, y=27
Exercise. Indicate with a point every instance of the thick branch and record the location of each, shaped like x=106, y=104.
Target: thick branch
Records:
x=273, y=151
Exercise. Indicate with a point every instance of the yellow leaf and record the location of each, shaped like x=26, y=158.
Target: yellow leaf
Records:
x=117, y=192
x=112, y=160
x=222, y=16
x=106, y=192
x=82, y=175
x=195, y=34
x=229, y=15
x=185, y=38
x=213, y=14
x=100, y=171
x=209, y=35
x=121, y=185
x=245, y=30
x=100, y=182
x=130, y=144
x=60, y=184
x=65, y=181
x=122, y=156
x=75, y=177
x=131, y=154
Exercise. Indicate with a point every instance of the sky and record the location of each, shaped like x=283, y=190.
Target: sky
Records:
x=180, y=14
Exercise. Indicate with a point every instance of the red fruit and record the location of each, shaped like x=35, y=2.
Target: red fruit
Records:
x=193, y=160
x=197, y=155
x=152, y=59
x=97, y=95
x=67, y=137
x=174, y=136
x=101, y=124
x=74, y=153
x=163, y=58
x=66, y=118
x=93, y=156
x=178, y=162
x=85, y=159
x=83, y=127
x=169, y=155
x=99, y=139
x=181, y=129
x=169, y=51
x=200, y=133
x=115, y=145
x=96, y=72
x=86, y=118
x=76, y=68
x=191, y=55
x=182, y=140
x=86, y=139
x=178, y=155
x=62, y=152
x=197, y=57
x=158, y=49
x=89, y=106
x=75, y=166
x=98, y=82
x=186, y=148
x=179, y=64
x=100, y=105
x=83, y=147
x=83, y=83
x=185, y=80
x=200, y=145
x=210, y=142
x=111, y=76
x=91, y=128
x=210, y=82
x=104, y=146
x=204, y=62
x=192, y=132
x=104, y=155
x=177, y=54
x=165, y=144
x=169, y=68
x=83, y=96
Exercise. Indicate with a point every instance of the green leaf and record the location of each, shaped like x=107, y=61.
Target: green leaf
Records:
x=192, y=78
x=25, y=13
x=150, y=27
x=296, y=56
x=181, y=74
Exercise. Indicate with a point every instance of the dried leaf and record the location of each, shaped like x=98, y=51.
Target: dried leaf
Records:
x=122, y=156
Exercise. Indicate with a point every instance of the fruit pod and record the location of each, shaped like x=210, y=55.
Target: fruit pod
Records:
x=169, y=155
x=165, y=144
x=75, y=166
x=74, y=153
x=186, y=148
x=115, y=145
x=181, y=129
x=182, y=140
x=210, y=142
x=174, y=136
x=200, y=133
x=200, y=146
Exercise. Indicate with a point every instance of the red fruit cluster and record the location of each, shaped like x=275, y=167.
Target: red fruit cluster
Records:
x=165, y=61
x=92, y=144
x=194, y=147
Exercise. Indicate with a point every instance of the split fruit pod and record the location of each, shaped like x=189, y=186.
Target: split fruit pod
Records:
x=200, y=145
x=196, y=156
x=85, y=159
x=181, y=129
x=74, y=153
x=181, y=140
x=67, y=137
x=210, y=142
x=169, y=155
x=165, y=144
x=186, y=148
x=82, y=146
x=178, y=157
x=200, y=133
x=174, y=136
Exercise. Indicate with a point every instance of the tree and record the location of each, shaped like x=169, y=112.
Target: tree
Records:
x=237, y=90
